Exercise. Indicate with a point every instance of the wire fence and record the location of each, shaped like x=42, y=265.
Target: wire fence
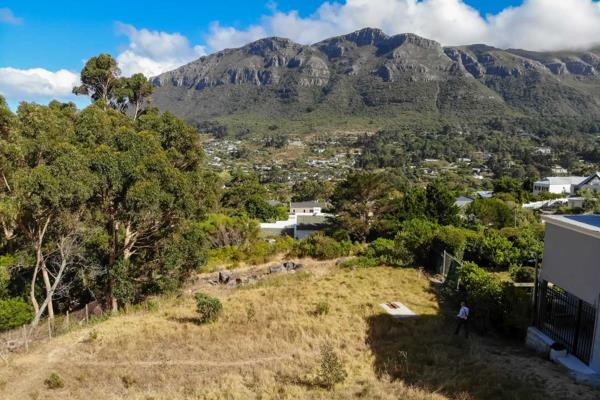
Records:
x=20, y=339
x=447, y=268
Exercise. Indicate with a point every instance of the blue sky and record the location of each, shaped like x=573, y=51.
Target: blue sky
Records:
x=43, y=44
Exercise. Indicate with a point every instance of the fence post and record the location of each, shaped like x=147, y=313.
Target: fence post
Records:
x=25, y=339
x=86, y=313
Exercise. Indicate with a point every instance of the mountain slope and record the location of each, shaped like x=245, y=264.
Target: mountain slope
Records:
x=370, y=74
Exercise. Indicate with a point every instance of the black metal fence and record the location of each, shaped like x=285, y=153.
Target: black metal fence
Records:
x=567, y=319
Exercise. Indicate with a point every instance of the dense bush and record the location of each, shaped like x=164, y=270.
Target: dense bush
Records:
x=14, y=312
x=208, y=307
x=413, y=242
x=258, y=252
x=383, y=251
x=322, y=247
x=493, y=303
x=522, y=274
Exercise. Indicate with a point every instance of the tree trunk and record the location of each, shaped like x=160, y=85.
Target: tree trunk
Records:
x=39, y=263
x=48, y=285
x=111, y=300
x=129, y=242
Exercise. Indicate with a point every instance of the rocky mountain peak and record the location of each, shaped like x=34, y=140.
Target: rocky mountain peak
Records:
x=366, y=37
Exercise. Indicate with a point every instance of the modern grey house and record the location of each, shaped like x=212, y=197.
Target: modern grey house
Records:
x=569, y=291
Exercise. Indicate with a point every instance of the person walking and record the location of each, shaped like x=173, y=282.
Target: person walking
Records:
x=462, y=319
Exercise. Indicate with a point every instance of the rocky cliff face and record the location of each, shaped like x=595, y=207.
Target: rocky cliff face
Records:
x=364, y=69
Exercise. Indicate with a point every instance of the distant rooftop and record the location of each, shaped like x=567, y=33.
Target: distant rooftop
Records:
x=562, y=180
x=308, y=204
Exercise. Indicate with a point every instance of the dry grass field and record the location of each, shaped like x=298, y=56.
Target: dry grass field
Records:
x=267, y=345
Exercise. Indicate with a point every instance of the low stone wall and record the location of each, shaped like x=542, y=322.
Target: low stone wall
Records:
x=538, y=341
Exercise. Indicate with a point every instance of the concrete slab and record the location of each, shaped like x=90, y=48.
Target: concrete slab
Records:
x=575, y=365
x=398, y=310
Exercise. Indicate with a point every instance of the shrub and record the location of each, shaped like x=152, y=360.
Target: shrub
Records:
x=332, y=371
x=14, y=312
x=322, y=247
x=322, y=308
x=484, y=293
x=413, y=242
x=54, y=381
x=208, y=307
x=383, y=251
x=522, y=274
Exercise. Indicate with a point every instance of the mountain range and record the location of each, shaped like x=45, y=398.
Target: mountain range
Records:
x=368, y=75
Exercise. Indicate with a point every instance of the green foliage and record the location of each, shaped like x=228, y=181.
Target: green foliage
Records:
x=382, y=251
x=312, y=189
x=54, y=381
x=491, y=212
x=99, y=78
x=511, y=186
x=359, y=202
x=332, y=370
x=14, y=312
x=484, y=292
x=208, y=308
x=322, y=308
x=522, y=274
x=246, y=196
x=6, y=261
x=413, y=242
x=440, y=204
x=322, y=247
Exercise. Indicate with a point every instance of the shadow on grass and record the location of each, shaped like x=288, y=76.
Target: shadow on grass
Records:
x=185, y=320
x=424, y=352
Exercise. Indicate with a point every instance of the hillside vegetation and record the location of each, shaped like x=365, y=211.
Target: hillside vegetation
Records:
x=268, y=343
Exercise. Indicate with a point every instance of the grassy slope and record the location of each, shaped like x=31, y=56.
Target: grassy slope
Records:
x=267, y=345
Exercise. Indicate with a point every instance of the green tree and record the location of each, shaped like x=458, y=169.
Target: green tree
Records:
x=491, y=212
x=440, y=204
x=360, y=202
x=99, y=79
x=132, y=92
x=312, y=189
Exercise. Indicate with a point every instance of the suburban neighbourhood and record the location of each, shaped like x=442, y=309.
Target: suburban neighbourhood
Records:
x=350, y=199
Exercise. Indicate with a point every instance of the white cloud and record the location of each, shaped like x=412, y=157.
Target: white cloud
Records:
x=534, y=25
x=37, y=84
x=154, y=52
x=7, y=17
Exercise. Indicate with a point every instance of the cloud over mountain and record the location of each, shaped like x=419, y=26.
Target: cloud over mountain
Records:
x=534, y=25
x=154, y=52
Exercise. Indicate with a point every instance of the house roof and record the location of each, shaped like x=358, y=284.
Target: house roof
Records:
x=588, y=224
x=462, y=201
x=561, y=180
x=307, y=204
x=589, y=179
x=312, y=222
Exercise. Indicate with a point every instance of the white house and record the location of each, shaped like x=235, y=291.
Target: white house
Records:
x=557, y=184
x=568, y=294
x=305, y=218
